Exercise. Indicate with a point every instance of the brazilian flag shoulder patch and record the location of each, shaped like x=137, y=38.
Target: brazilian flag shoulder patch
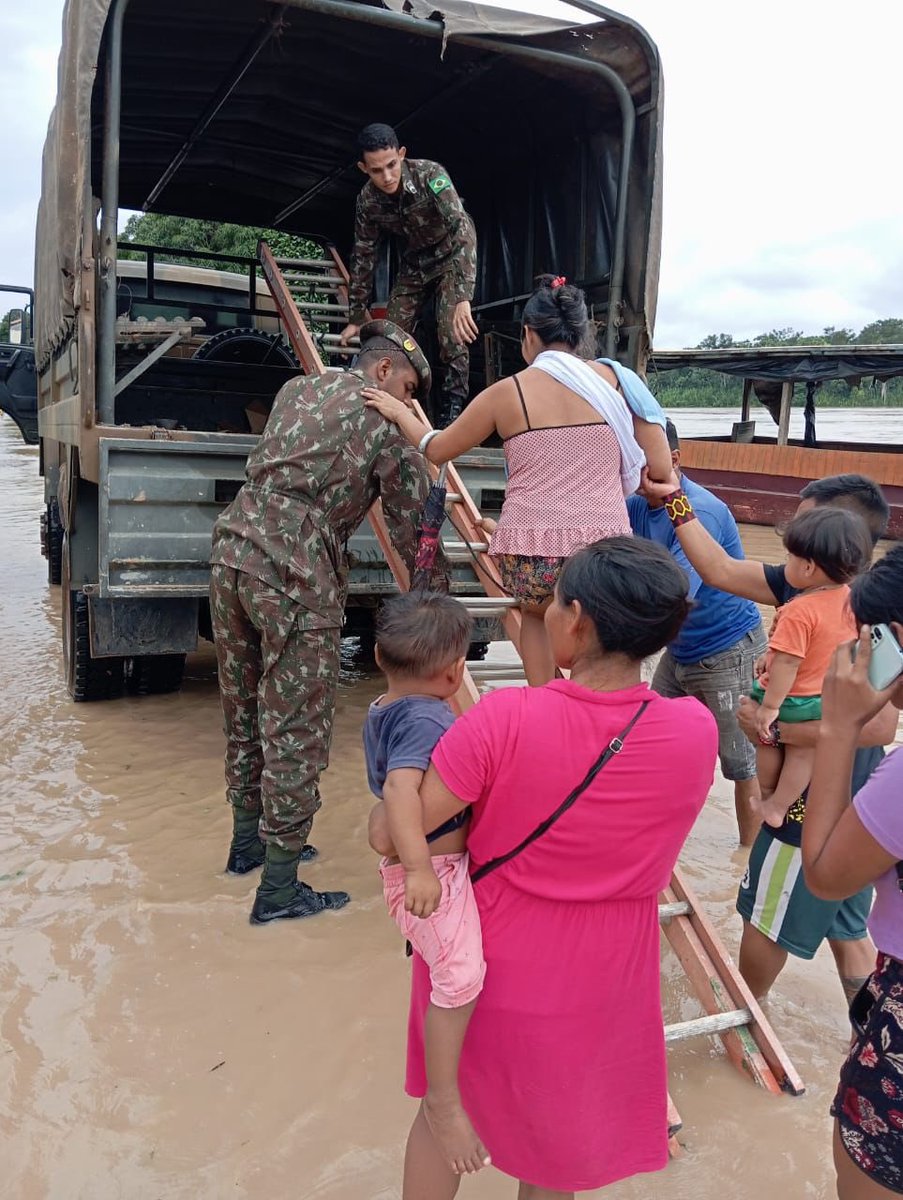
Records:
x=439, y=184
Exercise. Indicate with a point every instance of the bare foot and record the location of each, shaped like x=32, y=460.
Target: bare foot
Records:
x=456, y=1137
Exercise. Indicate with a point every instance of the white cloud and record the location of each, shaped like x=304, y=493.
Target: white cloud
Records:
x=782, y=191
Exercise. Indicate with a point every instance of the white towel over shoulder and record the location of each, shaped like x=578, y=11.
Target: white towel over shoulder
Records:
x=580, y=377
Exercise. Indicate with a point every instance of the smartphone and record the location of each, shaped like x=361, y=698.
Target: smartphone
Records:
x=886, y=663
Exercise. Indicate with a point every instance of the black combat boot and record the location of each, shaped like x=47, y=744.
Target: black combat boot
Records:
x=248, y=851
x=282, y=896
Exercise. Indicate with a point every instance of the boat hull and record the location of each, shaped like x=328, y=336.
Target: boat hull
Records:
x=761, y=481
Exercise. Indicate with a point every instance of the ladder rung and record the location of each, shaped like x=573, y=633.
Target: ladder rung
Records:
x=679, y=908
x=346, y=350
x=318, y=306
x=491, y=602
x=327, y=281
x=465, y=547
x=495, y=671
x=289, y=263
x=718, y=1023
x=327, y=318
x=453, y=498
x=335, y=339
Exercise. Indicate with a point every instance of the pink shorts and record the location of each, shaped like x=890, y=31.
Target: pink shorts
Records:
x=450, y=941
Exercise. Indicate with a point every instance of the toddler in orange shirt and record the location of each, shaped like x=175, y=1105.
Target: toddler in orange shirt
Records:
x=826, y=548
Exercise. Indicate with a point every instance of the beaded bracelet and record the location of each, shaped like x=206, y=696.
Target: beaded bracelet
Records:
x=679, y=508
x=426, y=439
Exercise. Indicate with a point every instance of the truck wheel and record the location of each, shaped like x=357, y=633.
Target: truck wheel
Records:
x=154, y=674
x=478, y=651
x=87, y=678
x=248, y=346
x=52, y=543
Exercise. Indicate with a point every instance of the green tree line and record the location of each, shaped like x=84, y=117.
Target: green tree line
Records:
x=693, y=387
x=187, y=233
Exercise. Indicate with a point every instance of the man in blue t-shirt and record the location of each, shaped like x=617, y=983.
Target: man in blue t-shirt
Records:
x=713, y=657
x=780, y=914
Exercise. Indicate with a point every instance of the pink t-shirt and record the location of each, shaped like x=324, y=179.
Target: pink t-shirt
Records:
x=879, y=806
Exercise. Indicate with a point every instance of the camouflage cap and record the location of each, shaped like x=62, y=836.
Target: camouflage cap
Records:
x=405, y=343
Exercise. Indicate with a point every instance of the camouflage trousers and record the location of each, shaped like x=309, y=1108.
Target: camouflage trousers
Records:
x=277, y=686
x=410, y=293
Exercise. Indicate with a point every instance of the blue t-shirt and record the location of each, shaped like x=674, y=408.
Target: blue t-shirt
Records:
x=718, y=620
x=402, y=734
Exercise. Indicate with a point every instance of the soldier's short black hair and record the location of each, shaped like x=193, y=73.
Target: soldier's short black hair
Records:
x=377, y=137
x=380, y=347
x=419, y=634
x=858, y=494
x=835, y=539
x=671, y=435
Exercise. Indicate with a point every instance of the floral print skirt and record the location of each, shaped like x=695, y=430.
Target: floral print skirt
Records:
x=869, y=1101
x=528, y=577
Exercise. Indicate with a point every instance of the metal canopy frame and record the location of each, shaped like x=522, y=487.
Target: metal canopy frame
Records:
x=495, y=47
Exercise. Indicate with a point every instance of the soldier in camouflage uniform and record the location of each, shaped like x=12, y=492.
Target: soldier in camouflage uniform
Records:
x=277, y=598
x=415, y=200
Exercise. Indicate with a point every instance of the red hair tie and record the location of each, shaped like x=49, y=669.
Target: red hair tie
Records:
x=559, y=281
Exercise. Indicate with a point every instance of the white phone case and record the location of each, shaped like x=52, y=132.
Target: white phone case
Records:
x=886, y=663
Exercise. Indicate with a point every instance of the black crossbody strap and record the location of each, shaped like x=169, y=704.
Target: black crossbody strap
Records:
x=614, y=747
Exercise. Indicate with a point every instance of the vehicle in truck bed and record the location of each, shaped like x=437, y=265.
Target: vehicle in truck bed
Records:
x=147, y=403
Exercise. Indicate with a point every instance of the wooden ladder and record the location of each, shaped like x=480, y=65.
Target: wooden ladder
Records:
x=731, y=1011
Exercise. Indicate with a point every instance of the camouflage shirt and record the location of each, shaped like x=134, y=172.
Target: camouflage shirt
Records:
x=426, y=213
x=321, y=461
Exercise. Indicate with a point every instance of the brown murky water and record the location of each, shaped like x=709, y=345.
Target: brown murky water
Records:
x=154, y=1046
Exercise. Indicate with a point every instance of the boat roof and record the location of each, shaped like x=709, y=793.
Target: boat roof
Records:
x=797, y=364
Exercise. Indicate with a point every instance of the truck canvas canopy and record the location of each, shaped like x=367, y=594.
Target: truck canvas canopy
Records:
x=247, y=111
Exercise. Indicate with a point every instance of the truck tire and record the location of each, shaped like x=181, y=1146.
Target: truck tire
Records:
x=53, y=540
x=477, y=651
x=87, y=678
x=252, y=347
x=154, y=674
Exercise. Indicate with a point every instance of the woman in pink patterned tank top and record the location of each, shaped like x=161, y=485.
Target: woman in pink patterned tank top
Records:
x=572, y=455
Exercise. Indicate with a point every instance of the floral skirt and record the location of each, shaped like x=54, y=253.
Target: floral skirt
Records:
x=869, y=1101
x=528, y=577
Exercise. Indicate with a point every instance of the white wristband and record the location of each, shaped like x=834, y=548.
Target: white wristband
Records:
x=426, y=439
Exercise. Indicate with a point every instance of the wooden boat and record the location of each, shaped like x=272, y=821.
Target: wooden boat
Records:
x=761, y=477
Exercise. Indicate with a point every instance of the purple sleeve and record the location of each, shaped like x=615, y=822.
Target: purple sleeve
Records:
x=879, y=804
x=412, y=741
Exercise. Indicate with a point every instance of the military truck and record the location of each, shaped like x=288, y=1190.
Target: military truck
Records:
x=551, y=129
x=18, y=381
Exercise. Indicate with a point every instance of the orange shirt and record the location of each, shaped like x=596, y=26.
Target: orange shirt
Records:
x=811, y=627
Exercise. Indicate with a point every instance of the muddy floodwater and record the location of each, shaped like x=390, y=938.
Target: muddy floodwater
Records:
x=155, y=1046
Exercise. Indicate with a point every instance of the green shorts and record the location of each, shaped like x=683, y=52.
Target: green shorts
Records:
x=794, y=708
x=774, y=899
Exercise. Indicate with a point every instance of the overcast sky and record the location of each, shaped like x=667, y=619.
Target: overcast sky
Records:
x=783, y=203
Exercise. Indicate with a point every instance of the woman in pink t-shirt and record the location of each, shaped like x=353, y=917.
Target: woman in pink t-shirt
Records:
x=846, y=847
x=563, y=1069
